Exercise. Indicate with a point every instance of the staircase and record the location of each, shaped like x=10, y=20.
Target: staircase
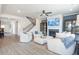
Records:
x=26, y=35
x=31, y=25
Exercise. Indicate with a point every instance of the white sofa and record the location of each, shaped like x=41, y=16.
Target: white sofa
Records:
x=25, y=37
x=64, y=34
x=57, y=46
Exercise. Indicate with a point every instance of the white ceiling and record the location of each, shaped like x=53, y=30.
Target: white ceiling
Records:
x=36, y=9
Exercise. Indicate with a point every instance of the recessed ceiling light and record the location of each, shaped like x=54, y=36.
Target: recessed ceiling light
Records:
x=19, y=11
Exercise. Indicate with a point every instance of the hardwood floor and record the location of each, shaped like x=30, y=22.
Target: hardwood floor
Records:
x=10, y=45
x=8, y=40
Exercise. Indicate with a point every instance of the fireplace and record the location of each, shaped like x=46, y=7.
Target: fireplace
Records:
x=52, y=32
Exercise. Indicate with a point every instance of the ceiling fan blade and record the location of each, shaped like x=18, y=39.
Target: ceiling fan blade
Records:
x=49, y=13
x=45, y=13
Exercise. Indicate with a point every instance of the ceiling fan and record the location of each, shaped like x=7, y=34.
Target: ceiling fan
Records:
x=45, y=13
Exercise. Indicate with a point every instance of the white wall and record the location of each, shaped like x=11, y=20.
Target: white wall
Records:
x=0, y=8
x=38, y=21
x=13, y=25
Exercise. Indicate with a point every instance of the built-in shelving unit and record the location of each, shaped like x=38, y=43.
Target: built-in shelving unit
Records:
x=43, y=27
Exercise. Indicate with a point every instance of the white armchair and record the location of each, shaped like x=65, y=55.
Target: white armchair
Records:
x=25, y=37
x=57, y=46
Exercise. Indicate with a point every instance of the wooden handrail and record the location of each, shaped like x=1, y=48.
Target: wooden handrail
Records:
x=27, y=26
x=32, y=20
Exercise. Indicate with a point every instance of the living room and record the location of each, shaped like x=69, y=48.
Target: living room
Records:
x=45, y=27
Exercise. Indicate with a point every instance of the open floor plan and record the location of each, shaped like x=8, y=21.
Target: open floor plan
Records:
x=39, y=29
